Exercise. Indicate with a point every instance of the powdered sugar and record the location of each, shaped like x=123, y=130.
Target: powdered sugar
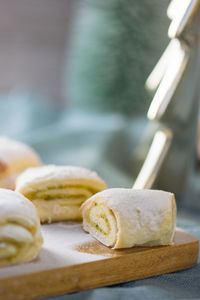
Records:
x=56, y=173
x=142, y=216
x=58, y=250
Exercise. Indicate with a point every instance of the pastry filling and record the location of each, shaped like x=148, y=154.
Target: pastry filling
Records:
x=73, y=195
x=13, y=237
x=100, y=221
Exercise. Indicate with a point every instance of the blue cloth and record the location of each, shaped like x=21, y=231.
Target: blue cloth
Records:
x=97, y=142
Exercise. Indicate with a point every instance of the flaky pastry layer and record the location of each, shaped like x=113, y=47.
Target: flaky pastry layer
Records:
x=59, y=191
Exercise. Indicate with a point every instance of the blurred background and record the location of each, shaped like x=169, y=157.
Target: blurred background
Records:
x=72, y=76
x=105, y=50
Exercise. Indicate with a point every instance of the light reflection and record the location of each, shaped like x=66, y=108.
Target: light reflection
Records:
x=170, y=81
x=180, y=11
x=154, y=159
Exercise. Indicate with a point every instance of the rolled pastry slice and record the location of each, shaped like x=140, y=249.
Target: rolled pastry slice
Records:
x=15, y=157
x=123, y=218
x=58, y=191
x=20, y=235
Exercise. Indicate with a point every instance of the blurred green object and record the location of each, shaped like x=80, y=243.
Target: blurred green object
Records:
x=114, y=46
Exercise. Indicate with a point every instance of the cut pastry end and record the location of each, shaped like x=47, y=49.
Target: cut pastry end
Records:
x=100, y=221
x=123, y=218
x=15, y=157
x=59, y=191
x=20, y=235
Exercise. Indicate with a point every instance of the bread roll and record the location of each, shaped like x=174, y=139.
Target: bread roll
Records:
x=15, y=157
x=20, y=235
x=123, y=218
x=58, y=191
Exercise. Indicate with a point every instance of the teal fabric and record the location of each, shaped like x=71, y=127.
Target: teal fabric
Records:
x=103, y=143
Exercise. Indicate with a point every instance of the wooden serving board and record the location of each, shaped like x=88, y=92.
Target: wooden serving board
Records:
x=71, y=260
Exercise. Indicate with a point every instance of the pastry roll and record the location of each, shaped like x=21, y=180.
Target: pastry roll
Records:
x=123, y=218
x=58, y=191
x=20, y=236
x=15, y=157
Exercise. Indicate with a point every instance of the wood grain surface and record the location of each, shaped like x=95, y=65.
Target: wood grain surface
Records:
x=71, y=260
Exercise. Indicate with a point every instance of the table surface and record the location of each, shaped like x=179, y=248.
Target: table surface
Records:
x=179, y=285
x=71, y=260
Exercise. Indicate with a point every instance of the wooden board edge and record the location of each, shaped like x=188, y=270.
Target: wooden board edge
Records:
x=131, y=266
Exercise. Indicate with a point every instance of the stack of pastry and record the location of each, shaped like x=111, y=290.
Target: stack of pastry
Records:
x=119, y=218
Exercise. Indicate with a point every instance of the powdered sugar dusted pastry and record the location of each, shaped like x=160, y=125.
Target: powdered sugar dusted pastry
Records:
x=20, y=236
x=58, y=191
x=123, y=218
x=15, y=157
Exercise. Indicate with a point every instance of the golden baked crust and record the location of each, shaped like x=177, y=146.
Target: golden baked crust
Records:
x=3, y=165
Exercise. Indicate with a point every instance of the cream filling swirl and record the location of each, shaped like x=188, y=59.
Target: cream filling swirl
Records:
x=100, y=221
x=65, y=195
x=13, y=237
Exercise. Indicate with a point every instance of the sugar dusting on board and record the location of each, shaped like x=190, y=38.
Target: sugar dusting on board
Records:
x=61, y=277
x=95, y=247
x=58, y=250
